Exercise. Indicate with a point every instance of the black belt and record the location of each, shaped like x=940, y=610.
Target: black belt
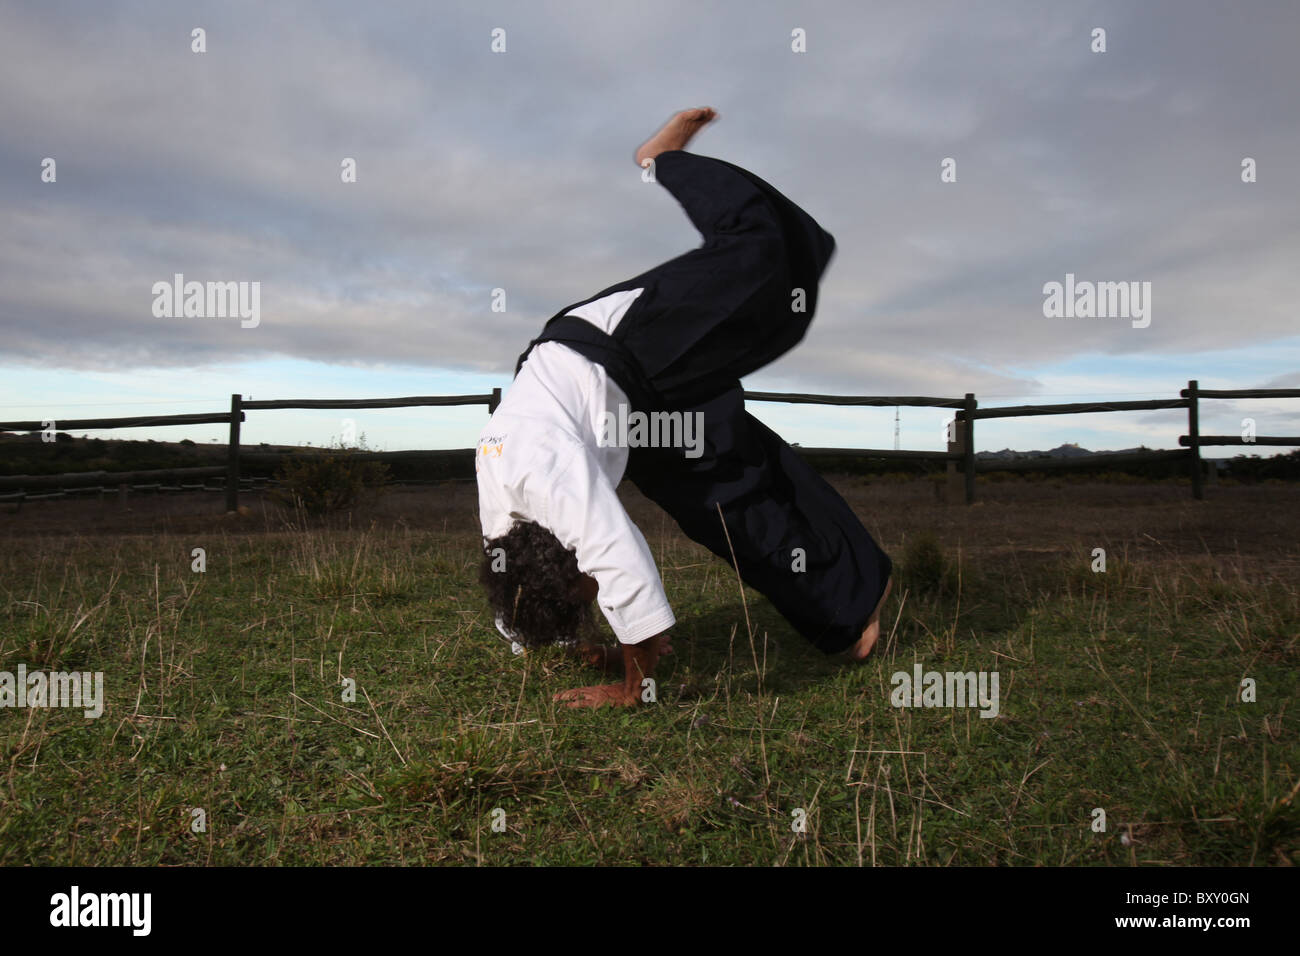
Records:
x=603, y=349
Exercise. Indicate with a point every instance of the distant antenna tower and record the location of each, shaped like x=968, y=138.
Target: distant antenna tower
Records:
x=896, y=445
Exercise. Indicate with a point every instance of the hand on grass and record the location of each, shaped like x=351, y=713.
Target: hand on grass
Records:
x=611, y=658
x=599, y=656
x=638, y=664
x=602, y=695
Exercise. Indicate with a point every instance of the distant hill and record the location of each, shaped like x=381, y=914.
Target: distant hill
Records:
x=1072, y=450
x=26, y=454
x=1068, y=450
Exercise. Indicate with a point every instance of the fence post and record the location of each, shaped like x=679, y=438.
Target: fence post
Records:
x=1193, y=439
x=956, y=435
x=494, y=401
x=232, y=456
x=968, y=438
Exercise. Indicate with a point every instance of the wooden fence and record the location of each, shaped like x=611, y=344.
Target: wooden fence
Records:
x=960, y=453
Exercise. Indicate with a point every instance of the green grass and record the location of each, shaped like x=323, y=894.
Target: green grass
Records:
x=1118, y=691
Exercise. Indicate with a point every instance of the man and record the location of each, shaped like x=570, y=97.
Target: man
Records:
x=673, y=341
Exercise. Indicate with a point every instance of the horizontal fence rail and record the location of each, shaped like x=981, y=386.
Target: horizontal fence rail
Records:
x=419, y=400
x=133, y=421
x=1216, y=440
x=898, y=453
x=800, y=398
x=82, y=479
x=1077, y=408
x=959, y=454
x=1246, y=392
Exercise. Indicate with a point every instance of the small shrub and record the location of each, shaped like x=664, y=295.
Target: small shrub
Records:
x=334, y=479
x=925, y=567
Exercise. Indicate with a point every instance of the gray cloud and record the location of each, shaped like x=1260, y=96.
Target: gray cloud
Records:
x=480, y=171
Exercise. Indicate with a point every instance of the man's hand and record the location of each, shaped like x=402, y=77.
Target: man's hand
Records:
x=610, y=658
x=602, y=695
x=638, y=663
x=597, y=655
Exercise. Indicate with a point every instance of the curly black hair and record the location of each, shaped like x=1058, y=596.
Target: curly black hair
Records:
x=532, y=582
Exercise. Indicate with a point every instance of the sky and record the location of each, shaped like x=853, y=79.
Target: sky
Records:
x=963, y=155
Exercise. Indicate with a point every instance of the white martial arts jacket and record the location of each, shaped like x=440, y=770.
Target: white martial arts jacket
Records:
x=540, y=458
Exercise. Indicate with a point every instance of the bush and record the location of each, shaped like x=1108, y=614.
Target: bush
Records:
x=925, y=567
x=333, y=479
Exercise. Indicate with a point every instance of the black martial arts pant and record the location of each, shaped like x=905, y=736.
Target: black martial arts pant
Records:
x=704, y=319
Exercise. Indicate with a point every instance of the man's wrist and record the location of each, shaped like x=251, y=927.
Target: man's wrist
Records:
x=638, y=664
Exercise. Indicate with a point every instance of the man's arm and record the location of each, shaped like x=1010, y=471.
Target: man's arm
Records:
x=639, y=662
x=606, y=658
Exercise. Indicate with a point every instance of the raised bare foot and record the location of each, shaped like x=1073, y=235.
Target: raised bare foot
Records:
x=675, y=134
x=871, y=633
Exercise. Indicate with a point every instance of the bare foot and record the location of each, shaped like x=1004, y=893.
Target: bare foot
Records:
x=675, y=134
x=871, y=633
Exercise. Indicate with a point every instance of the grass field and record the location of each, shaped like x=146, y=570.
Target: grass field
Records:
x=1118, y=690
